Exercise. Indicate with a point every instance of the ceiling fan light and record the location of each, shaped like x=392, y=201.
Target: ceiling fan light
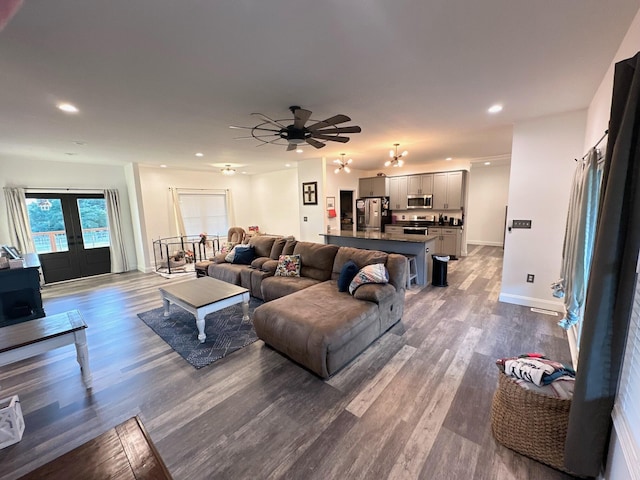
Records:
x=296, y=141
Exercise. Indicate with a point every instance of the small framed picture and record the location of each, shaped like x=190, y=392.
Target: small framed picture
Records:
x=310, y=193
x=331, y=203
x=11, y=251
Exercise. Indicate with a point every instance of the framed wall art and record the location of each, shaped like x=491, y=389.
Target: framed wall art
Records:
x=310, y=193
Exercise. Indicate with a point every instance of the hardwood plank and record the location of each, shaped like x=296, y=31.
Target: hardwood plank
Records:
x=256, y=414
x=368, y=395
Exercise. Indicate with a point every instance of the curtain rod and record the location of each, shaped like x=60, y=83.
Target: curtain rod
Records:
x=201, y=189
x=58, y=190
x=604, y=135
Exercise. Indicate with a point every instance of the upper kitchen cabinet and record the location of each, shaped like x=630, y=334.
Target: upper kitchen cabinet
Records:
x=398, y=193
x=448, y=190
x=373, y=187
x=420, y=184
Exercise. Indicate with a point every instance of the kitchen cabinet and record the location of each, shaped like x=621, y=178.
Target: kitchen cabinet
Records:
x=448, y=190
x=398, y=193
x=373, y=187
x=420, y=184
x=449, y=241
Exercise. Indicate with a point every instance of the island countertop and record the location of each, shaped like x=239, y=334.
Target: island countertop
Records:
x=394, y=237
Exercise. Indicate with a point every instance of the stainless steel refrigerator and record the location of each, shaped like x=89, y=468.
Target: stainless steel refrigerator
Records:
x=372, y=213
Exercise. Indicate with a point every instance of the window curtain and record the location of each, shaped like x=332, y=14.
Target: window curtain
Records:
x=611, y=281
x=580, y=237
x=119, y=261
x=230, y=210
x=177, y=214
x=19, y=227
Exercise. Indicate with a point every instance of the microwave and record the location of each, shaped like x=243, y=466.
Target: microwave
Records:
x=420, y=201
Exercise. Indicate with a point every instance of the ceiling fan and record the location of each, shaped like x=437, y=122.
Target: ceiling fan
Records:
x=283, y=132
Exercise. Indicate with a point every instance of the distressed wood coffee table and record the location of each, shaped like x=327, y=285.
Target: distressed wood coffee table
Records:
x=34, y=337
x=202, y=296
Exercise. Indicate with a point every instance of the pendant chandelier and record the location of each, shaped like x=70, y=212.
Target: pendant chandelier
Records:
x=342, y=164
x=227, y=170
x=396, y=160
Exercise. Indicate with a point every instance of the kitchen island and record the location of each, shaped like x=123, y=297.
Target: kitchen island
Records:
x=418, y=245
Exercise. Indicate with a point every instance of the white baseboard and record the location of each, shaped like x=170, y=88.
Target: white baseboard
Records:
x=483, y=242
x=531, y=302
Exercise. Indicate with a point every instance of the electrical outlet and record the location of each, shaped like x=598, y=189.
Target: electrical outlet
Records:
x=521, y=224
x=305, y=219
x=530, y=277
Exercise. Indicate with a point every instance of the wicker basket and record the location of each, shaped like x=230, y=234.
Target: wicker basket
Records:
x=532, y=424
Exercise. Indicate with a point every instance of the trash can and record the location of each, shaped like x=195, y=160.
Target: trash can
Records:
x=439, y=277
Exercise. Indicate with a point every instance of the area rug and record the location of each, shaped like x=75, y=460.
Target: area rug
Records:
x=226, y=332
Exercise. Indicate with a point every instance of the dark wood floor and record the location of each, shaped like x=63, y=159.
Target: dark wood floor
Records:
x=414, y=405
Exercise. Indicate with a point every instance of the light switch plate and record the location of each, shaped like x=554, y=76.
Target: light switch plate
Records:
x=521, y=224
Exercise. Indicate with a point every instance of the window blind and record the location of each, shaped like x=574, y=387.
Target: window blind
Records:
x=204, y=212
x=626, y=412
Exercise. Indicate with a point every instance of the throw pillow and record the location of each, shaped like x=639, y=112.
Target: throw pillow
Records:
x=232, y=253
x=288, y=266
x=348, y=271
x=244, y=255
x=376, y=273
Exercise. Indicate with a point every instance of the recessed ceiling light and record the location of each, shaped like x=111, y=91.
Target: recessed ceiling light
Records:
x=299, y=150
x=68, y=108
x=495, y=108
x=487, y=163
x=448, y=158
x=287, y=164
x=244, y=173
x=199, y=154
x=163, y=166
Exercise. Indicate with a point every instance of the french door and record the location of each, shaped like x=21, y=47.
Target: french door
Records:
x=71, y=234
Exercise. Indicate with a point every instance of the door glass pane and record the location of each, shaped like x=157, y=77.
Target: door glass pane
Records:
x=47, y=225
x=93, y=220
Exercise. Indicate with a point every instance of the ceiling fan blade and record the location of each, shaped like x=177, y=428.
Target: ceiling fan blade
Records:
x=330, y=137
x=329, y=121
x=315, y=143
x=291, y=146
x=354, y=129
x=269, y=120
x=258, y=128
x=235, y=126
x=300, y=116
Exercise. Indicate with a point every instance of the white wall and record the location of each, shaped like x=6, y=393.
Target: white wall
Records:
x=313, y=170
x=59, y=175
x=157, y=207
x=618, y=467
x=542, y=167
x=276, y=204
x=488, y=197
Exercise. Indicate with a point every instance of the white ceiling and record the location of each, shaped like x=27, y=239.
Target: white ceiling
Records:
x=158, y=80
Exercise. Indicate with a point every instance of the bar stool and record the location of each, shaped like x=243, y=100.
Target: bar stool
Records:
x=412, y=270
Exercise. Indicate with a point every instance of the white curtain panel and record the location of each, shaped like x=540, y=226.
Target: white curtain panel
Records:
x=19, y=219
x=177, y=213
x=119, y=261
x=580, y=237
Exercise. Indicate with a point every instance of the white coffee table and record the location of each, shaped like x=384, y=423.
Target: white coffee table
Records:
x=202, y=296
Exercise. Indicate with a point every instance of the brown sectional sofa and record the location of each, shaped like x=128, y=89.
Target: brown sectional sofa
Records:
x=306, y=317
